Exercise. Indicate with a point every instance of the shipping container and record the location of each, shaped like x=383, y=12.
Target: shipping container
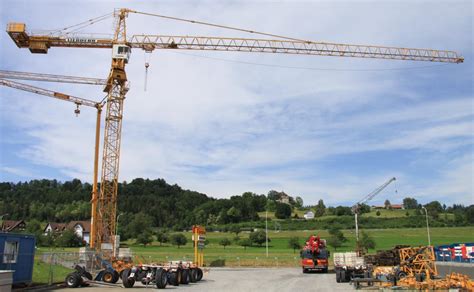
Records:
x=17, y=252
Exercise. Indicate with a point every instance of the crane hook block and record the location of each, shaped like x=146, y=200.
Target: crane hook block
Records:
x=77, y=111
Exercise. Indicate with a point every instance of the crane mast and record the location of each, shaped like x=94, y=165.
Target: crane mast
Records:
x=104, y=204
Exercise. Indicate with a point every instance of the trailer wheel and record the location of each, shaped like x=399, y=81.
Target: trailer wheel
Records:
x=73, y=280
x=199, y=274
x=161, y=278
x=338, y=276
x=108, y=277
x=401, y=275
x=127, y=282
x=175, y=278
x=185, y=276
x=192, y=275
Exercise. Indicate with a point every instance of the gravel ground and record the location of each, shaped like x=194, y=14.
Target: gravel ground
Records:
x=247, y=279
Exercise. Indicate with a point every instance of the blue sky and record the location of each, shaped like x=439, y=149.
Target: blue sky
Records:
x=211, y=123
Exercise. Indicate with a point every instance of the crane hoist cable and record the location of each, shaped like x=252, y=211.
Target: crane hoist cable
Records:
x=219, y=26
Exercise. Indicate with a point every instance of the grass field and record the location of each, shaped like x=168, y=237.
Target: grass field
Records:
x=280, y=254
x=44, y=273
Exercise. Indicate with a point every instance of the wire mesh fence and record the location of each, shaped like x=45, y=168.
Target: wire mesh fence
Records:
x=52, y=267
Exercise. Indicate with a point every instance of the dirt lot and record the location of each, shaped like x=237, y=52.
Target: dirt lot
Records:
x=249, y=279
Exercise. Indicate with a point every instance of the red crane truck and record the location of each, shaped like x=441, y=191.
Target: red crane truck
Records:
x=314, y=255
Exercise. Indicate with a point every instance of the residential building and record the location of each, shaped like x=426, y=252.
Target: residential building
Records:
x=309, y=215
x=81, y=228
x=13, y=225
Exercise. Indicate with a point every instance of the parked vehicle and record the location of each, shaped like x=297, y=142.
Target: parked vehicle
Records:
x=314, y=255
x=173, y=273
x=348, y=266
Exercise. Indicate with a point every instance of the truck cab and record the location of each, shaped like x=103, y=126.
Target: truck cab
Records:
x=315, y=259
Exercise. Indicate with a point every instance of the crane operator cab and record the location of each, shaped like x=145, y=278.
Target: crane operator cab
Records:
x=121, y=52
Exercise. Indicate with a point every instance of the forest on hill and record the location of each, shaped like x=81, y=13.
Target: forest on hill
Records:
x=157, y=204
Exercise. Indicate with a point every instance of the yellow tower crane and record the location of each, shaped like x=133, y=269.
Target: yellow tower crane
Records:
x=103, y=214
x=78, y=101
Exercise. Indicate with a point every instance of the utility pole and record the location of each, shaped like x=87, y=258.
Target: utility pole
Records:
x=266, y=230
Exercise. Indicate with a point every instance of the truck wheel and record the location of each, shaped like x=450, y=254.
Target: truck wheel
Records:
x=127, y=282
x=192, y=276
x=325, y=270
x=199, y=274
x=343, y=276
x=185, y=276
x=304, y=271
x=73, y=280
x=161, y=278
x=338, y=276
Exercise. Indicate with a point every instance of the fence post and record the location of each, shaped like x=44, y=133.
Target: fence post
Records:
x=238, y=259
x=50, y=280
x=256, y=259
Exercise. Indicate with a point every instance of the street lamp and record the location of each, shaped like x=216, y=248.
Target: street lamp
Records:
x=266, y=230
x=116, y=224
x=427, y=226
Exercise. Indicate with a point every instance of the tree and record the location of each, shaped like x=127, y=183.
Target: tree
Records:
x=334, y=242
x=34, y=227
x=178, y=239
x=234, y=214
x=258, y=237
x=235, y=229
x=245, y=242
x=410, y=203
x=364, y=208
x=298, y=202
x=341, y=211
x=387, y=204
x=366, y=242
x=320, y=209
x=162, y=237
x=145, y=238
x=469, y=214
x=434, y=208
x=337, y=233
x=68, y=239
x=283, y=211
x=294, y=243
x=225, y=242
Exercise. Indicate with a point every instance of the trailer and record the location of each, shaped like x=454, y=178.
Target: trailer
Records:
x=173, y=273
x=349, y=266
